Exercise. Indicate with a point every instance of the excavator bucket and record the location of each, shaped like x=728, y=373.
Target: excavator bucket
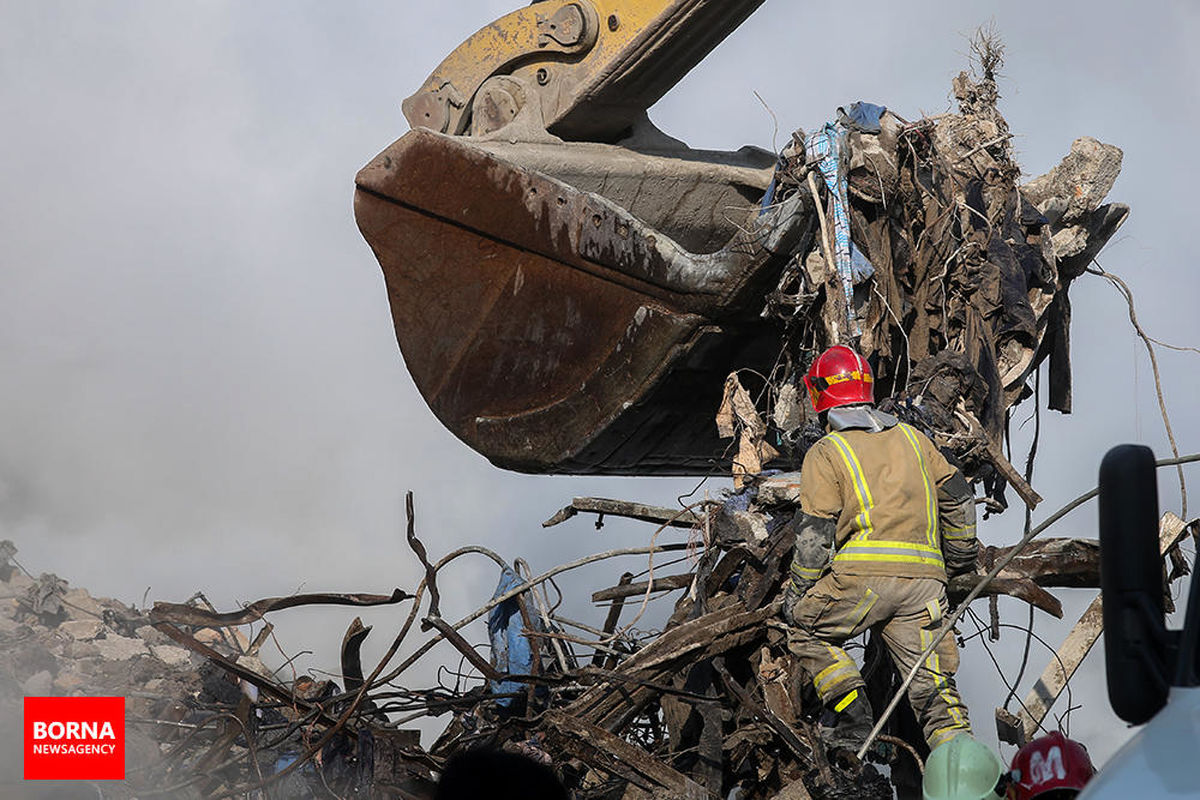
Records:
x=574, y=306
x=551, y=329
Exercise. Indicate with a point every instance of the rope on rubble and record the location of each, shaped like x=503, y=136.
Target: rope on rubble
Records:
x=979, y=587
x=1066, y=678
x=981, y=629
x=1124, y=289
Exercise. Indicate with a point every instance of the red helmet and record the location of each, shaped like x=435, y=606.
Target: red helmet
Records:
x=1047, y=763
x=839, y=377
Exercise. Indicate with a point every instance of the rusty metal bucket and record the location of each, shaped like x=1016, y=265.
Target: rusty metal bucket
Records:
x=551, y=329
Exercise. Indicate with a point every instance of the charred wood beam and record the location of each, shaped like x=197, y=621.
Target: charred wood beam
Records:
x=673, y=517
x=708, y=635
x=248, y=675
x=666, y=583
x=1069, y=563
x=1021, y=588
x=699, y=730
x=1051, y=562
x=610, y=623
x=463, y=646
x=996, y=455
x=352, y=674
x=1073, y=563
x=793, y=742
x=418, y=549
x=611, y=753
x=760, y=578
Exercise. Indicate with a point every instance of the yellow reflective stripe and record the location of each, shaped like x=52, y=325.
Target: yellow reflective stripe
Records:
x=806, y=572
x=959, y=533
x=930, y=517
x=860, y=611
x=943, y=735
x=830, y=686
x=940, y=683
x=850, y=697
x=931, y=663
x=893, y=559
x=859, y=479
x=935, y=611
x=840, y=664
x=889, y=551
x=838, y=672
x=887, y=544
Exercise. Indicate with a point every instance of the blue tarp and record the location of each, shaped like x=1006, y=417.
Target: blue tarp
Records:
x=861, y=116
x=511, y=652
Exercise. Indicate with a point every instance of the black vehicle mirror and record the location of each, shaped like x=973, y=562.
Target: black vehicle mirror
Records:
x=1136, y=650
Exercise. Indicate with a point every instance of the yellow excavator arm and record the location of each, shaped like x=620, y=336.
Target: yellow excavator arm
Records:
x=569, y=285
x=593, y=68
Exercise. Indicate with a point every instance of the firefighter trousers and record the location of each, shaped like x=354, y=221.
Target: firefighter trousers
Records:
x=907, y=613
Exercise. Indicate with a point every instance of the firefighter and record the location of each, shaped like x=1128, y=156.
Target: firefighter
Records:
x=884, y=519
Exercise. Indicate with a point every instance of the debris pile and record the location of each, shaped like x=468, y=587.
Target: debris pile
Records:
x=708, y=705
x=946, y=273
x=195, y=718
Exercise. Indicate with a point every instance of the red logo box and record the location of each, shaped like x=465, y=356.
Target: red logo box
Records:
x=75, y=738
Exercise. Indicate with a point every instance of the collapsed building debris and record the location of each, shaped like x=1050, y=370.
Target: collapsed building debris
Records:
x=912, y=239
x=947, y=274
x=708, y=705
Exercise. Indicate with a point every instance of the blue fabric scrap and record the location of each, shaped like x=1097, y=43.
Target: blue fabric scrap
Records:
x=861, y=116
x=824, y=148
x=511, y=650
x=861, y=267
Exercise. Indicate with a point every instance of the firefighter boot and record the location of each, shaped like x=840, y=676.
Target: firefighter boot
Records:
x=852, y=722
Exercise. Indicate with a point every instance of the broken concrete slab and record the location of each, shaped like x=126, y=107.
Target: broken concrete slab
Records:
x=70, y=682
x=82, y=629
x=170, y=654
x=82, y=606
x=120, y=648
x=80, y=650
x=1071, y=191
x=150, y=635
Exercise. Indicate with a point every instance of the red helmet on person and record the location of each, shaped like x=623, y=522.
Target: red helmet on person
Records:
x=1048, y=763
x=839, y=377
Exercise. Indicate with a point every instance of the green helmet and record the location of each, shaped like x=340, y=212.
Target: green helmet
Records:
x=961, y=769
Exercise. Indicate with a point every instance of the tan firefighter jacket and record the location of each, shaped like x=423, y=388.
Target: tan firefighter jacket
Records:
x=896, y=508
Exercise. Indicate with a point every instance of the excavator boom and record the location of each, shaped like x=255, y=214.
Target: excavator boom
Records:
x=597, y=64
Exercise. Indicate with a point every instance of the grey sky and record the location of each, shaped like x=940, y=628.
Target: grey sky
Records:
x=201, y=384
